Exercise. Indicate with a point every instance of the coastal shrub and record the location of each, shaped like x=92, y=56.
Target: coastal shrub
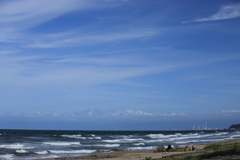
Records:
x=148, y=158
x=213, y=146
x=236, y=147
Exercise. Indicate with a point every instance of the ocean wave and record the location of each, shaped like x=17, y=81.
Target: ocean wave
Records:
x=71, y=151
x=7, y=156
x=123, y=140
x=161, y=135
x=104, y=150
x=15, y=146
x=93, y=138
x=199, y=141
x=133, y=140
x=49, y=156
x=220, y=133
x=73, y=136
x=112, y=141
x=196, y=136
x=139, y=144
x=155, y=140
x=178, y=134
x=41, y=152
x=62, y=143
x=89, y=135
x=21, y=151
x=108, y=145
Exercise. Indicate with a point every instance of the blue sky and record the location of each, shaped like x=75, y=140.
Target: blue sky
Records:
x=156, y=56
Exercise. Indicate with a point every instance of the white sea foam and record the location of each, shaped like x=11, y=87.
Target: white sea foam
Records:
x=139, y=144
x=62, y=143
x=73, y=136
x=184, y=142
x=123, y=140
x=132, y=140
x=93, y=138
x=50, y=156
x=21, y=151
x=198, y=141
x=7, y=156
x=42, y=152
x=178, y=133
x=15, y=146
x=161, y=135
x=71, y=151
x=235, y=136
x=12, y=146
x=112, y=141
x=89, y=135
x=154, y=140
x=192, y=136
x=221, y=133
x=108, y=145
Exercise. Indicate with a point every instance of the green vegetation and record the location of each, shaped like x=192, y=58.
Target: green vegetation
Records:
x=210, y=151
x=213, y=146
x=235, y=126
x=148, y=158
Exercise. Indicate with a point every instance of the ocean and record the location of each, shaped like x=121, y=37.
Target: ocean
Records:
x=30, y=144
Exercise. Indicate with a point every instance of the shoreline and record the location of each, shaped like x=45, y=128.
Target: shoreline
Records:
x=137, y=155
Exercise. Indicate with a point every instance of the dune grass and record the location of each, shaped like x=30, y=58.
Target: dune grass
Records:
x=209, y=151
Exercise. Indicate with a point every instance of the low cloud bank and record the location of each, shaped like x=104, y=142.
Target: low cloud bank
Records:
x=179, y=122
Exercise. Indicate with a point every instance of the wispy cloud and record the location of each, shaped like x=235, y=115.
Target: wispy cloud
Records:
x=79, y=39
x=27, y=13
x=198, y=77
x=226, y=12
x=85, y=70
x=18, y=16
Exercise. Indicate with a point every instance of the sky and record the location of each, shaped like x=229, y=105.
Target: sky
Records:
x=155, y=56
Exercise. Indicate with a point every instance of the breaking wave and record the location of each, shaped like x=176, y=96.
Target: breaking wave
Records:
x=72, y=151
x=62, y=143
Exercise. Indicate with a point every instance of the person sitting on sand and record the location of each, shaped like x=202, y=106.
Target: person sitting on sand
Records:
x=169, y=148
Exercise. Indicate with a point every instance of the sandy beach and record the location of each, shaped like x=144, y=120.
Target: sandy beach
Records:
x=140, y=155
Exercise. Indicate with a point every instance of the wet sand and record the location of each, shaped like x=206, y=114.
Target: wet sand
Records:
x=140, y=155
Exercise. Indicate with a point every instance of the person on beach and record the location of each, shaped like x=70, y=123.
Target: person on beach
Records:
x=169, y=148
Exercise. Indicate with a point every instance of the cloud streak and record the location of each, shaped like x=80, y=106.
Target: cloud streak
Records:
x=226, y=12
x=85, y=70
x=16, y=17
x=81, y=39
x=28, y=13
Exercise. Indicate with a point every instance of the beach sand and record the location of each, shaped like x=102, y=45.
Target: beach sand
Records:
x=140, y=155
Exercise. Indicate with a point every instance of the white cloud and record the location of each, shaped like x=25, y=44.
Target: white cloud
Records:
x=79, y=39
x=29, y=13
x=226, y=12
x=18, y=16
x=81, y=71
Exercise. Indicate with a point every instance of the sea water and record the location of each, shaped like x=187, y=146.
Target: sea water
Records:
x=30, y=144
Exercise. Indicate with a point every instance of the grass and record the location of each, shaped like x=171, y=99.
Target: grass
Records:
x=210, y=151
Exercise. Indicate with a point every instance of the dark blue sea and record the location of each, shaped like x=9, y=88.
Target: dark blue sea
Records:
x=30, y=144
